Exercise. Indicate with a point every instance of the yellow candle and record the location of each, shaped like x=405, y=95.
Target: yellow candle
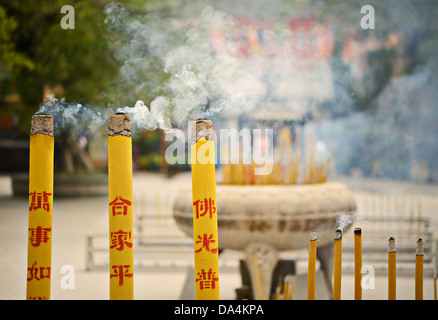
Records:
x=392, y=271
x=205, y=231
x=121, y=238
x=311, y=267
x=419, y=260
x=337, y=266
x=39, y=256
x=357, y=264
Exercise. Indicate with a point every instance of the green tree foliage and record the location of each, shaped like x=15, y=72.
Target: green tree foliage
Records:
x=77, y=60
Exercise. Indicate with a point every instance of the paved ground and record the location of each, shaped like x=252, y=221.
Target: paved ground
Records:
x=75, y=218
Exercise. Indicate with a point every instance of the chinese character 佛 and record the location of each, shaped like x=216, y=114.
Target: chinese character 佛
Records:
x=206, y=240
x=39, y=235
x=207, y=280
x=120, y=206
x=39, y=200
x=121, y=271
x=119, y=240
x=204, y=206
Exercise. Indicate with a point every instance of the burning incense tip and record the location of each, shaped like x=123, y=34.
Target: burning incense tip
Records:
x=42, y=124
x=391, y=245
x=358, y=231
x=313, y=235
x=420, y=247
x=202, y=128
x=119, y=124
x=338, y=234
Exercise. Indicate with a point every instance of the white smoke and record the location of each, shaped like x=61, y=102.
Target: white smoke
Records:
x=76, y=117
x=345, y=220
x=206, y=72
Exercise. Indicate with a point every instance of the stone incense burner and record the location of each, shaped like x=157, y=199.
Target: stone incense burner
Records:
x=262, y=220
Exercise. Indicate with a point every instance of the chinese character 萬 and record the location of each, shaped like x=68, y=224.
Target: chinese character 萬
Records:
x=206, y=240
x=207, y=280
x=204, y=206
x=39, y=200
x=119, y=240
x=120, y=206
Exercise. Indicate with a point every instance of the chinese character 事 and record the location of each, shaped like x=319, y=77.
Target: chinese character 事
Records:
x=206, y=240
x=121, y=271
x=39, y=200
x=207, y=280
x=120, y=206
x=119, y=240
x=204, y=206
x=39, y=235
x=37, y=273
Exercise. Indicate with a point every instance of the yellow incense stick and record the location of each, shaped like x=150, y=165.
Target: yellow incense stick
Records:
x=434, y=289
x=258, y=283
x=311, y=267
x=39, y=256
x=121, y=238
x=205, y=231
x=357, y=264
x=419, y=260
x=337, y=274
x=392, y=269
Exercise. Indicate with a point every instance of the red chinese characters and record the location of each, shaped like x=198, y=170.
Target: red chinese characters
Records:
x=39, y=200
x=203, y=207
x=37, y=273
x=119, y=239
x=207, y=280
x=121, y=271
x=206, y=240
x=120, y=206
x=39, y=235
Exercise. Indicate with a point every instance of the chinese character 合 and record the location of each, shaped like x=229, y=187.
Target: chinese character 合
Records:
x=207, y=280
x=207, y=205
x=37, y=273
x=39, y=200
x=120, y=206
x=119, y=240
x=121, y=271
x=206, y=240
x=39, y=235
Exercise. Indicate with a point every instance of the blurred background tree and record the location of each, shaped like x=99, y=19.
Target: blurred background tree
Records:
x=47, y=59
x=39, y=58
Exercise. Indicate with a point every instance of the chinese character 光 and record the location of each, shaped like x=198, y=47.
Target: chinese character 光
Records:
x=119, y=240
x=206, y=240
x=120, y=206
x=206, y=205
x=207, y=280
x=121, y=271
x=39, y=235
x=39, y=200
